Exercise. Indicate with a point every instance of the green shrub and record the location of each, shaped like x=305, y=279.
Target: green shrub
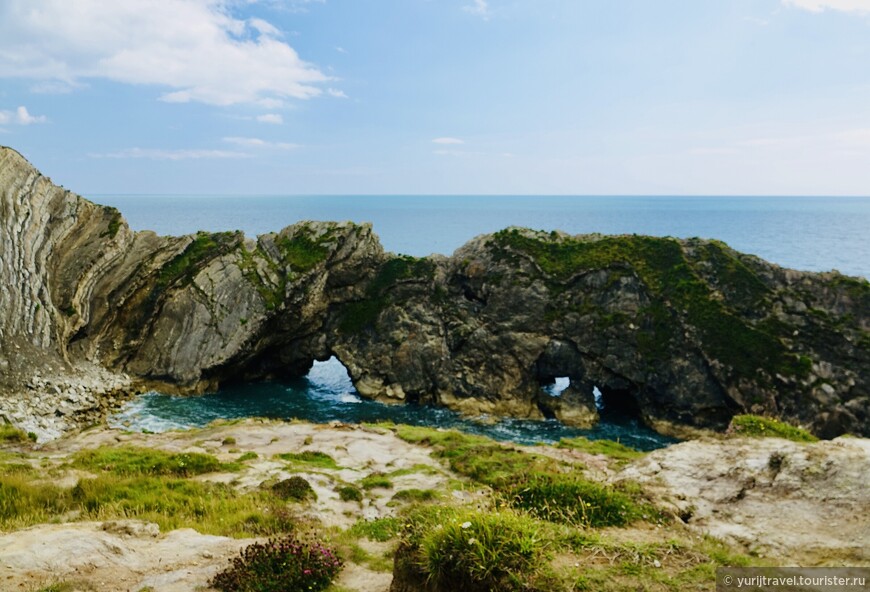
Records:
x=295, y=488
x=569, y=499
x=466, y=550
x=229, y=441
x=280, y=565
x=765, y=427
x=349, y=493
x=130, y=461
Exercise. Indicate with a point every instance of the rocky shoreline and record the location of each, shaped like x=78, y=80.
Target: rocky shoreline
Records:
x=53, y=404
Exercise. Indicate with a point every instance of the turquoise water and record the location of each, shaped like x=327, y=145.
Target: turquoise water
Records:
x=809, y=233
x=327, y=394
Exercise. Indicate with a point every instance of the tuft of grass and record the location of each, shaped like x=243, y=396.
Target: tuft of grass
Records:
x=350, y=493
x=23, y=503
x=463, y=549
x=609, y=448
x=229, y=441
x=416, y=495
x=314, y=458
x=764, y=427
x=376, y=481
x=129, y=460
x=247, y=456
x=9, y=433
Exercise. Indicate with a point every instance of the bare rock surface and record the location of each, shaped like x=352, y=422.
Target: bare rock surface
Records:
x=126, y=555
x=804, y=502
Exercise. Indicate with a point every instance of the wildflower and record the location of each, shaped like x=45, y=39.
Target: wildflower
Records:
x=465, y=525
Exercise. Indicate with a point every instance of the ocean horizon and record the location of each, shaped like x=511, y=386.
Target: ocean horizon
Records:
x=806, y=233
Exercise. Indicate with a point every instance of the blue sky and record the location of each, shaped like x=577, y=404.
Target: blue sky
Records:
x=759, y=97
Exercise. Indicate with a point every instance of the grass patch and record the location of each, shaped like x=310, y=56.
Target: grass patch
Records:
x=764, y=427
x=376, y=481
x=608, y=448
x=479, y=458
x=204, y=247
x=247, y=456
x=9, y=433
x=301, y=251
x=567, y=499
x=381, y=529
x=129, y=460
x=313, y=458
x=416, y=495
x=170, y=502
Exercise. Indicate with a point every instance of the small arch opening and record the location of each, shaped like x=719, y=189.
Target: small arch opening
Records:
x=329, y=379
x=557, y=386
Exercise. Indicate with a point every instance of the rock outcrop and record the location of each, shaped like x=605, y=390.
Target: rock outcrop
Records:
x=682, y=333
x=773, y=497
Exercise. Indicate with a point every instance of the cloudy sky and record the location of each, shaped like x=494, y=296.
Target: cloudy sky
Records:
x=440, y=96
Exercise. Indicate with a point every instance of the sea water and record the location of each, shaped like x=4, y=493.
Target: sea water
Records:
x=808, y=233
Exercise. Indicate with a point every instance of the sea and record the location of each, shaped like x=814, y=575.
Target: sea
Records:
x=806, y=233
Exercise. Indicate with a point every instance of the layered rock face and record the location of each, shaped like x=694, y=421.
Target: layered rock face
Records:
x=680, y=333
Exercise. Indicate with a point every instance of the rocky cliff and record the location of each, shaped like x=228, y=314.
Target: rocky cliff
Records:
x=682, y=333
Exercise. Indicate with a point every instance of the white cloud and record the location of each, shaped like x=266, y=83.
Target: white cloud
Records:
x=21, y=116
x=479, y=8
x=195, y=48
x=273, y=118
x=841, y=5
x=25, y=118
x=447, y=141
x=161, y=154
x=338, y=94
x=258, y=143
x=340, y=49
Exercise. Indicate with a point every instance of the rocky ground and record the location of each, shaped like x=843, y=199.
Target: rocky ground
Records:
x=58, y=398
x=779, y=501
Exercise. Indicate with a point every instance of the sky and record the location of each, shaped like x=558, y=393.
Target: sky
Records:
x=591, y=97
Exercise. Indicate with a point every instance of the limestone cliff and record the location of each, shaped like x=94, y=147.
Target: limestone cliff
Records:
x=680, y=332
